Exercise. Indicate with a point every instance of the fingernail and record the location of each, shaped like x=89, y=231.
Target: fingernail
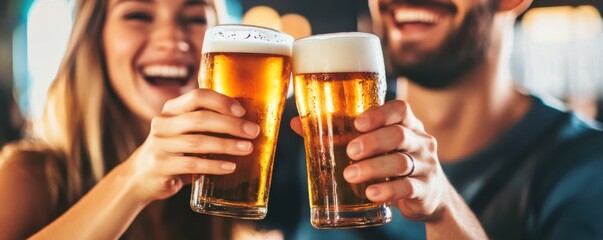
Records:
x=372, y=191
x=350, y=173
x=354, y=148
x=228, y=166
x=237, y=110
x=362, y=122
x=251, y=129
x=243, y=145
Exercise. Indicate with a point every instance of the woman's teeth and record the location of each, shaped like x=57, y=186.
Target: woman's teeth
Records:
x=167, y=75
x=166, y=71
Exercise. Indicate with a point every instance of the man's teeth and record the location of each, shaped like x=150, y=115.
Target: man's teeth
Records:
x=423, y=16
x=165, y=71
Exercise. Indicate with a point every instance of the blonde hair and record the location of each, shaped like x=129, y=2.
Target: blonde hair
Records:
x=84, y=122
x=86, y=130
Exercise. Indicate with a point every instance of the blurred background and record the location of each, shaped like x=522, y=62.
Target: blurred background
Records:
x=558, y=49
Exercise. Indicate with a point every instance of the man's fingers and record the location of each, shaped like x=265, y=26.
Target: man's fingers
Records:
x=392, y=112
x=296, y=125
x=404, y=188
x=382, y=167
x=385, y=140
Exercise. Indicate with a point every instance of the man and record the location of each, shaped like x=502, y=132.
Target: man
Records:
x=525, y=170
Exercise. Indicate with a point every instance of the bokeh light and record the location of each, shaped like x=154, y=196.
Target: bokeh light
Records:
x=548, y=24
x=48, y=28
x=296, y=25
x=561, y=24
x=587, y=22
x=263, y=16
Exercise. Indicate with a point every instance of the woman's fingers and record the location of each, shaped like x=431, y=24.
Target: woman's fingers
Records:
x=188, y=178
x=203, y=99
x=200, y=144
x=178, y=165
x=202, y=121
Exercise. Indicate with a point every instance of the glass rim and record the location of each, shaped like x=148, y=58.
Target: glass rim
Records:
x=338, y=52
x=246, y=27
x=336, y=35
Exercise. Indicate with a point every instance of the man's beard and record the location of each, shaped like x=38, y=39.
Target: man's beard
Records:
x=460, y=52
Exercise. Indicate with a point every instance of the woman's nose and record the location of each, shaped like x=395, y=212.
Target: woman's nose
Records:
x=171, y=37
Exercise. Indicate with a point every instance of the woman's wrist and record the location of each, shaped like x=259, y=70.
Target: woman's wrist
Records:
x=107, y=209
x=124, y=176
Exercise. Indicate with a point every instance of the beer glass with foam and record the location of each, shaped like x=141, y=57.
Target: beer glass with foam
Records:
x=336, y=77
x=253, y=66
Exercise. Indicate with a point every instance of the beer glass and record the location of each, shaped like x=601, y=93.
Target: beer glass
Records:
x=336, y=77
x=253, y=66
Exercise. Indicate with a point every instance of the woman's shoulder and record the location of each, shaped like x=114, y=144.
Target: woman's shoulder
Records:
x=29, y=154
x=36, y=161
x=25, y=153
x=30, y=179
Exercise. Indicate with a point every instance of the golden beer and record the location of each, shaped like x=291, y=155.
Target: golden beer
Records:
x=256, y=73
x=329, y=98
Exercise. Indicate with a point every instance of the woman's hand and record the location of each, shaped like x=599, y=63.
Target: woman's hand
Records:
x=188, y=127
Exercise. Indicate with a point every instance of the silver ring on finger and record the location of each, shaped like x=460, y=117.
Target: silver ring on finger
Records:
x=412, y=168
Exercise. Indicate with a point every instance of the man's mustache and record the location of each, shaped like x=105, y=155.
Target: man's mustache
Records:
x=447, y=5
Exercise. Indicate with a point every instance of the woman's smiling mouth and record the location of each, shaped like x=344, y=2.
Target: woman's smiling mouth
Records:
x=165, y=74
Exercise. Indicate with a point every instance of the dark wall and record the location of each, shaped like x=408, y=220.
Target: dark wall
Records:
x=340, y=15
x=544, y=3
x=324, y=15
x=10, y=120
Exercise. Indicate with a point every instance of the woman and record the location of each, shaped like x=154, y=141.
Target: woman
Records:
x=118, y=119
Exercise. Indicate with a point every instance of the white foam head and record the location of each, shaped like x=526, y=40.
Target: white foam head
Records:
x=338, y=52
x=246, y=39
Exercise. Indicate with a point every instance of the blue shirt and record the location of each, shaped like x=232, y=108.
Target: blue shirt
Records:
x=543, y=178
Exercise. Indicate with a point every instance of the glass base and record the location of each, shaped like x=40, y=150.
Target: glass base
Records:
x=323, y=218
x=232, y=211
